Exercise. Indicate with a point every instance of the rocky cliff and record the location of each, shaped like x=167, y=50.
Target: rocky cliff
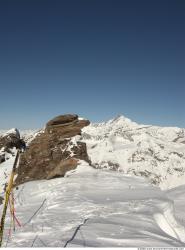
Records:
x=54, y=151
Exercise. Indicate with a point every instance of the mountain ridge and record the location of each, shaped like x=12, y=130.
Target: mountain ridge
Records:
x=90, y=197
x=158, y=153
x=155, y=152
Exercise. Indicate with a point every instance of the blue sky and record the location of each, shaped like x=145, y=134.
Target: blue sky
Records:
x=96, y=58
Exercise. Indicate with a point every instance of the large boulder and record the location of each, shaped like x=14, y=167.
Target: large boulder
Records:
x=62, y=120
x=66, y=125
x=54, y=151
x=63, y=167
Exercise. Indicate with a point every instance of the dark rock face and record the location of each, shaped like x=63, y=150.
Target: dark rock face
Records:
x=53, y=152
x=2, y=157
x=1, y=200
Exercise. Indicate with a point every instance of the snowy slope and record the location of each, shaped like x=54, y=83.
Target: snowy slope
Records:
x=5, y=171
x=178, y=196
x=157, y=153
x=104, y=208
x=99, y=208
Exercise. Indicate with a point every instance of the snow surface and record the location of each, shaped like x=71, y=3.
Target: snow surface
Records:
x=178, y=196
x=5, y=170
x=110, y=208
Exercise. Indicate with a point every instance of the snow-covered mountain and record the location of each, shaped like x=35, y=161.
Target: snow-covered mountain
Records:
x=157, y=153
x=104, y=208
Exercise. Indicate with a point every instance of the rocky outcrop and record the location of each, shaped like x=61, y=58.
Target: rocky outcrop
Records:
x=8, y=141
x=66, y=125
x=54, y=151
x=62, y=120
x=63, y=167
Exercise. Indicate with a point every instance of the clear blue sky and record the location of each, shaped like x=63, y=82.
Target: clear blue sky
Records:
x=96, y=58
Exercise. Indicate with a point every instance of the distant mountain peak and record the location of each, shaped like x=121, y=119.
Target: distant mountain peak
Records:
x=121, y=120
x=121, y=117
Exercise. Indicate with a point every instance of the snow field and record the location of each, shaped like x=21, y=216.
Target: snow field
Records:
x=110, y=209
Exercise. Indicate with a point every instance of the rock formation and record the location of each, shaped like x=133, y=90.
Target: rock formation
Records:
x=54, y=151
x=8, y=141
